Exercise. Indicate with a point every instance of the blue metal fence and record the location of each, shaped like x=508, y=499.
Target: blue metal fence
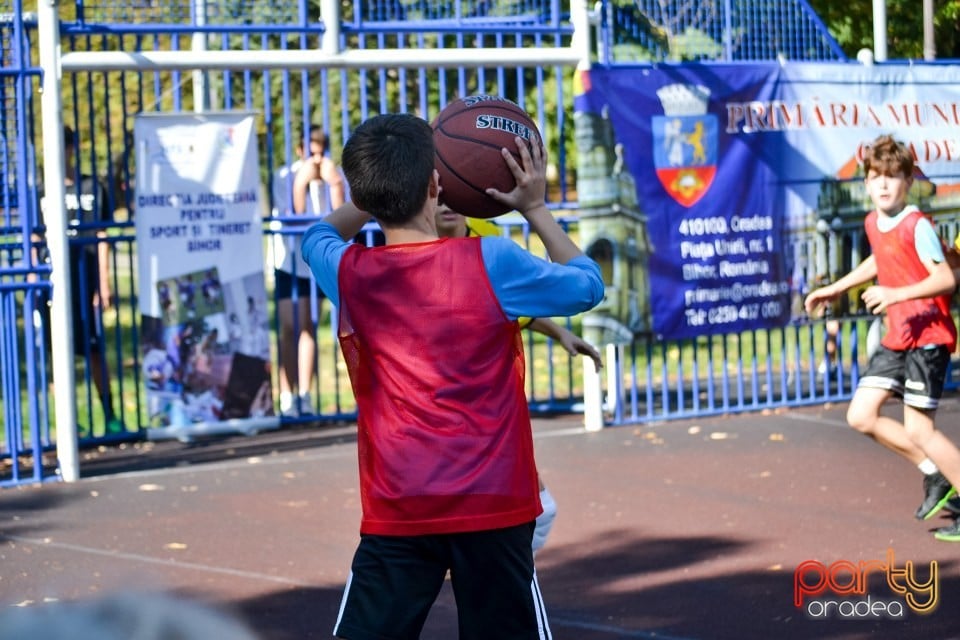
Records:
x=809, y=361
x=658, y=380
x=728, y=30
x=23, y=280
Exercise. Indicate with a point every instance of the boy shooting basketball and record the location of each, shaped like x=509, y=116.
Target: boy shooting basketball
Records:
x=914, y=284
x=429, y=333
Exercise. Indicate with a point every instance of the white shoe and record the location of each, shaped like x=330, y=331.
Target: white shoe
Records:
x=826, y=367
x=287, y=410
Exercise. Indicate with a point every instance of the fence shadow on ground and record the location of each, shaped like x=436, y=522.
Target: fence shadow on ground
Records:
x=633, y=586
x=166, y=454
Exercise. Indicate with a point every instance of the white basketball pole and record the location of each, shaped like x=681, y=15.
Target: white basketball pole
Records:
x=880, y=30
x=592, y=396
x=55, y=218
x=929, y=35
x=201, y=85
x=330, y=15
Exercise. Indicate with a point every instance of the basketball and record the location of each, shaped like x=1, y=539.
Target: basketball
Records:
x=468, y=135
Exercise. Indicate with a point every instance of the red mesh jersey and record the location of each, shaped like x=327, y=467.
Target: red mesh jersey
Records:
x=438, y=373
x=913, y=323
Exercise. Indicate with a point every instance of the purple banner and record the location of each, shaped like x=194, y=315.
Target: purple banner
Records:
x=714, y=223
x=739, y=170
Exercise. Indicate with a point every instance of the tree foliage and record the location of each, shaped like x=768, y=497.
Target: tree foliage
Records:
x=102, y=105
x=851, y=23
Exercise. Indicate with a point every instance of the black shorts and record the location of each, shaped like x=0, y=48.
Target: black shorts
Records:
x=394, y=581
x=286, y=283
x=87, y=329
x=916, y=374
x=87, y=325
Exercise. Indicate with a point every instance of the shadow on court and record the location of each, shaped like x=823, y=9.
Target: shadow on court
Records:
x=688, y=530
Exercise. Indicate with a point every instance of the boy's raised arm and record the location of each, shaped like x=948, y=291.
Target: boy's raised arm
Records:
x=863, y=272
x=528, y=198
x=348, y=220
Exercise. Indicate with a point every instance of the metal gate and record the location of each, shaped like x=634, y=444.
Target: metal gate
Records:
x=296, y=63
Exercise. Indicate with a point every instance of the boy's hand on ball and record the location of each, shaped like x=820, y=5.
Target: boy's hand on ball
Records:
x=531, y=178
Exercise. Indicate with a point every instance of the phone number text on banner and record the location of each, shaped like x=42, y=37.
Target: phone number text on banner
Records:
x=714, y=220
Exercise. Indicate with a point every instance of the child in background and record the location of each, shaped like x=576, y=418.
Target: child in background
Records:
x=914, y=285
x=311, y=186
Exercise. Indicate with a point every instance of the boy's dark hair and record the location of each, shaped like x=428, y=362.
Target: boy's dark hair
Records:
x=69, y=137
x=887, y=157
x=388, y=162
x=317, y=134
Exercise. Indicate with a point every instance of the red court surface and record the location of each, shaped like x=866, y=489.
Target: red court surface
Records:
x=687, y=530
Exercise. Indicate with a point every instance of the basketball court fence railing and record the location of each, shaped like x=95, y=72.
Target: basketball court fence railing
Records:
x=293, y=64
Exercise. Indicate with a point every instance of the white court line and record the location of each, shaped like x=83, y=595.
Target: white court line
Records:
x=268, y=459
x=135, y=557
x=334, y=451
x=328, y=452
x=617, y=631
x=571, y=431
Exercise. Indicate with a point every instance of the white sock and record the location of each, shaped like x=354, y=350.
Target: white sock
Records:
x=544, y=520
x=286, y=401
x=927, y=466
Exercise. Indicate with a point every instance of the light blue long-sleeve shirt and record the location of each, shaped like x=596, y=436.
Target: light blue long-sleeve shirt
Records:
x=524, y=284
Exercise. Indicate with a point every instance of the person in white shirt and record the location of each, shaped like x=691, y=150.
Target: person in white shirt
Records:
x=310, y=187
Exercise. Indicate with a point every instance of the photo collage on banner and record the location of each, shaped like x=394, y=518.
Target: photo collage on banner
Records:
x=203, y=304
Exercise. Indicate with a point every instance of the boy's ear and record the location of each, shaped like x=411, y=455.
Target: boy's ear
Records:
x=434, y=190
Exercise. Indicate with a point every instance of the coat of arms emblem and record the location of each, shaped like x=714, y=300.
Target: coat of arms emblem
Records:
x=685, y=142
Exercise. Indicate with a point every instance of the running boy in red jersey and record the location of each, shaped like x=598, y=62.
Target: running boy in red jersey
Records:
x=429, y=333
x=914, y=285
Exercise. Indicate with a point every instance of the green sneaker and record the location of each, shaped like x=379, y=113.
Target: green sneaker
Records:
x=938, y=491
x=949, y=534
x=115, y=427
x=953, y=505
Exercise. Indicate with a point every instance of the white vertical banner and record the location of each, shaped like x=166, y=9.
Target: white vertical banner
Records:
x=203, y=301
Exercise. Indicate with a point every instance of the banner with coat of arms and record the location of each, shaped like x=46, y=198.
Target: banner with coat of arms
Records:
x=727, y=175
